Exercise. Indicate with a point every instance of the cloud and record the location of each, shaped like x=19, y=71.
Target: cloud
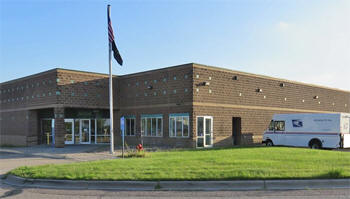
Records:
x=282, y=25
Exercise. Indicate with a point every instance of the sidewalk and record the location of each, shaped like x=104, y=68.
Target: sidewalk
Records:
x=12, y=157
x=180, y=185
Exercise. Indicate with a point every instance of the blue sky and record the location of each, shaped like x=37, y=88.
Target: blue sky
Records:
x=302, y=40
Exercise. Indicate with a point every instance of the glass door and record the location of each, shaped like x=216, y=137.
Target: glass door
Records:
x=204, y=131
x=85, y=131
x=47, y=129
x=69, y=135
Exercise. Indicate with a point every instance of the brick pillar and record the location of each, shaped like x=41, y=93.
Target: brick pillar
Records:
x=59, y=127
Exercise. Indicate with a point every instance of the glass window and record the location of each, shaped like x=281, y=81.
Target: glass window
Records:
x=103, y=131
x=200, y=124
x=76, y=131
x=172, y=126
x=46, y=127
x=130, y=127
x=186, y=124
x=92, y=131
x=152, y=125
x=143, y=126
x=149, y=126
x=127, y=126
x=271, y=125
x=159, y=127
x=179, y=125
x=279, y=125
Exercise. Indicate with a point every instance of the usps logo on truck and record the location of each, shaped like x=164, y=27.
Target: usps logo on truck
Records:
x=297, y=123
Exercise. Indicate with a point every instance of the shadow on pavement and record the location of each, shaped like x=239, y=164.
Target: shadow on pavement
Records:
x=48, y=152
x=12, y=192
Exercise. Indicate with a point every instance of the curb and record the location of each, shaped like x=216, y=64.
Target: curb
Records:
x=239, y=185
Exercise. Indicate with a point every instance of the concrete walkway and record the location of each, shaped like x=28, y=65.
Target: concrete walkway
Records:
x=13, y=157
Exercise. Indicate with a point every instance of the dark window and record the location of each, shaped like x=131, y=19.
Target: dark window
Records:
x=130, y=126
x=271, y=125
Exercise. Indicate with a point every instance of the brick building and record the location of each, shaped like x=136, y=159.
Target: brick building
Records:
x=190, y=105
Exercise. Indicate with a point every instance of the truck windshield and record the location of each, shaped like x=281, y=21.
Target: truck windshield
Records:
x=271, y=125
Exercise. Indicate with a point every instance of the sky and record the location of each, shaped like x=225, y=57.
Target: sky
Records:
x=300, y=40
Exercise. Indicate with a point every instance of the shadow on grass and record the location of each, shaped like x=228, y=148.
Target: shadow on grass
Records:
x=207, y=149
x=333, y=174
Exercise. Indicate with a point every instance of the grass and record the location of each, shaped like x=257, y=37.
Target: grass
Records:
x=214, y=164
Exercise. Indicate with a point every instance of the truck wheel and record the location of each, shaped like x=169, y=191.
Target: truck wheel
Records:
x=269, y=143
x=315, y=144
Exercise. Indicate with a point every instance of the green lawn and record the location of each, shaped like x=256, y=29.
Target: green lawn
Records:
x=215, y=164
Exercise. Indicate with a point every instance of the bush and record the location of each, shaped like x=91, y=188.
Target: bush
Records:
x=135, y=154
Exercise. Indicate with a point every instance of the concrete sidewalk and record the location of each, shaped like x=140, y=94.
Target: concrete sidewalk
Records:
x=12, y=157
x=179, y=185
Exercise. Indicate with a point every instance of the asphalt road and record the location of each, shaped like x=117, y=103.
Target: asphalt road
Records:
x=11, y=192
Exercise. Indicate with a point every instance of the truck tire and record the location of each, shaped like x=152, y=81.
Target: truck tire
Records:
x=269, y=143
x=315, y=144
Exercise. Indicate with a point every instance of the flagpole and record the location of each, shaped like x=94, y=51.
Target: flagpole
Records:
x=110, y=86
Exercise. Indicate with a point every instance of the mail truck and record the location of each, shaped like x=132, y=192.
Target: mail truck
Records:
x=314, y=130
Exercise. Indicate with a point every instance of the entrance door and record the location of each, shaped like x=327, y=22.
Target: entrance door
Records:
x=236, y=130
x=204, y=131
x=85, y=131
x=69, y=135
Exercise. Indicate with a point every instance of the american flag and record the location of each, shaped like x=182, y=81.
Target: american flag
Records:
x=116, y=53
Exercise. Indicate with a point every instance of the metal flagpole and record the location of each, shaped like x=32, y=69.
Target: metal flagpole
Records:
x=110, y=85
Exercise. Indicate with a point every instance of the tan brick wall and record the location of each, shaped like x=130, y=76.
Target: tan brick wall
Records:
x=225, y=98
x=173, y=90
x=81, y=89
x=169, y=85
x=19, y=128
x=225, y=90
x=35, y=90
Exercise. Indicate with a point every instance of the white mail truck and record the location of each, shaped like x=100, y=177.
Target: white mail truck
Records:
x=314, y=130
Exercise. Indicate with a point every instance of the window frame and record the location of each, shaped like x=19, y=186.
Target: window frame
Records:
x=175, y=117
x=144, y=130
